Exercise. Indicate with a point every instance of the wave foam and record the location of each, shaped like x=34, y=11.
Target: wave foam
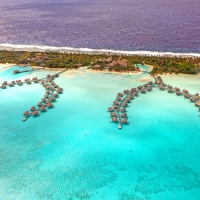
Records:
x=88, y=50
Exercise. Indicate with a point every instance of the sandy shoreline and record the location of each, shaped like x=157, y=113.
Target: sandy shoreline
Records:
x=5, y=66
x=112, y=72
x=40, y=48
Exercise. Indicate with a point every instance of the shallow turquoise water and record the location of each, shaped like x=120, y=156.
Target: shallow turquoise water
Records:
x=73, y=151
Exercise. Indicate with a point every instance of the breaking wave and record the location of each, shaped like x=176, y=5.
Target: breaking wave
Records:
x=88, y=50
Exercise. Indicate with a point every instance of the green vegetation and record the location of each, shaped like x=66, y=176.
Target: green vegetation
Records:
x=120, y=63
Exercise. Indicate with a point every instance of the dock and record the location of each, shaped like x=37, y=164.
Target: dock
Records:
x=52, y=91
x=119, y=104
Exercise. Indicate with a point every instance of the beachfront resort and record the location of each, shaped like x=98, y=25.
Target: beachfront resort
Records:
x=69, y=139
x=118, y=110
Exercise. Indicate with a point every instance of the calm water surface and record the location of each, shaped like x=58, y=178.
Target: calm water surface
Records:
x=73, y=151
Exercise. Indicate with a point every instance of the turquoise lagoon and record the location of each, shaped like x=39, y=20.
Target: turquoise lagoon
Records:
x=74, y=152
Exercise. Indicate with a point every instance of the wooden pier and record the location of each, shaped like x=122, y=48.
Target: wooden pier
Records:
x=158, y=82
x=52, y=91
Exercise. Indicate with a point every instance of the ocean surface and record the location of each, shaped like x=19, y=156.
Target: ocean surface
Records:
x=139, y=25
x=74, y=152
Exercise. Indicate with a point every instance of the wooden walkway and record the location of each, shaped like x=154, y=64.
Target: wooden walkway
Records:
x=158, y=82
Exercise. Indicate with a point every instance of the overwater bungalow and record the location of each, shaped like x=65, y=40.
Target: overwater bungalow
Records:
x=114, y=119
x=35, y=113
x=185, y=91
x=43, y=100
x=127, y=100
x=161, y=87
x=123, y=109
x=52, y=99
x=33, y=108
x=149, y=83
x=133, y=89
x=39, y=104
x=130, y=92
x=158, y=82
x=34, y=78
x=55, y=86
x=118, y=99
x=55, y=95
x=170, y=90
x=49, y=104
x=19, y=83
x=193, y=100
x=46, y=96
x=59, y=90
x=196, y=96
x=10, y=84
x=43, y=109
x=136, y=93
x=120, y=94
x=116, y=107
x=13, y=82
x=47, y=92
x=169, y=86
x=177, y=89
x=131, y=96
x=145, y=85
x=36, y=81
x=52, y=89
x=113, y=114
x=123, y=115
x=186, y=95
x=48, y=75
x=5, y=83
x=47, y=87
x=159, y=79
x=3, y=86
x=27, y=80
x=124, y=104
x=142, y=90
x=126, y=91
x=149, y=88
x=26, y=113
x=197, y=103
x=42, y=82
x=110, y=109
x=115, y=103
x=125, y=121
x=139, y=87
x=179, y=93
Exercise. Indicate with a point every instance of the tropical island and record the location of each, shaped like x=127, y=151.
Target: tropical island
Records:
x=110, y=62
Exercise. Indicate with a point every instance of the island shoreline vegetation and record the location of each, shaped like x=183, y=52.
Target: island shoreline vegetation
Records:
x=104, y=61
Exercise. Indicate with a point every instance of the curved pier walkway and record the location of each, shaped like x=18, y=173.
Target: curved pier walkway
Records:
x=52, y=92
x=119, y=105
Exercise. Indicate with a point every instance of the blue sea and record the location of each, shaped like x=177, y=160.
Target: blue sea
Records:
x=74, y=152
x=134, y=25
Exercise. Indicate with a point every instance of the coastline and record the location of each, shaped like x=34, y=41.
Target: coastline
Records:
x=112, y=72
x=6, y=66
x=41, y=48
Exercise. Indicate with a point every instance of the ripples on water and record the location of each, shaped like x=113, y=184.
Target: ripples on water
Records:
x=154, y=25
x=73, y=151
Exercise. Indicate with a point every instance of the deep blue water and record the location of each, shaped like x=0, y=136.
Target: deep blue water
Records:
x=154, y=25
